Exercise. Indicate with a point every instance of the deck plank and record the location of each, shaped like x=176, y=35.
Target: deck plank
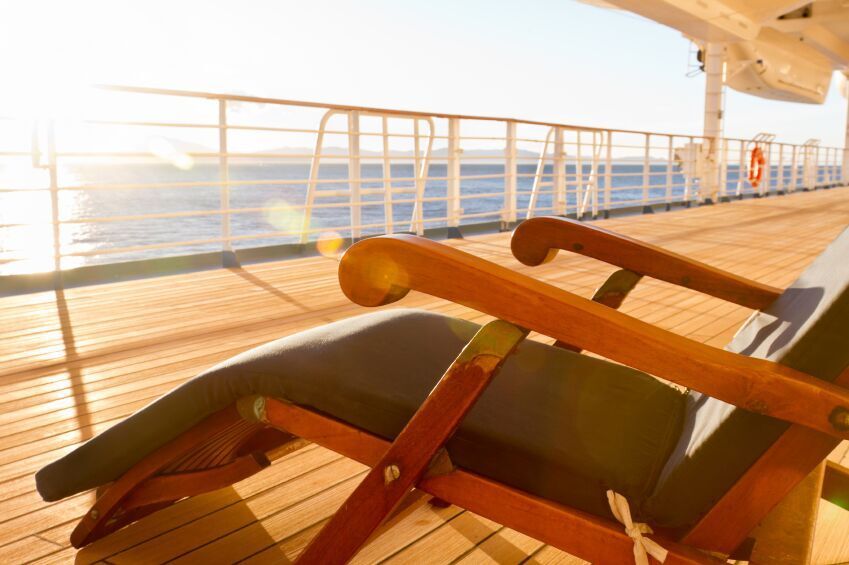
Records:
x=75, y=362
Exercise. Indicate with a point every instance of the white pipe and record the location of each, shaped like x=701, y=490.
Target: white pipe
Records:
x=454, y=210
x=714, y=91
x=508, y=214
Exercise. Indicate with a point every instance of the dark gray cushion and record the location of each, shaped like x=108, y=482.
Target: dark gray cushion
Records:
x=807, y=328
x=561, y=425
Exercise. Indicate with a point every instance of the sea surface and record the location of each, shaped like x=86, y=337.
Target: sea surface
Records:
x=93, y=192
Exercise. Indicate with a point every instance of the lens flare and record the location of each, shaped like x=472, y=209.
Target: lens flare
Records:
x=329, y=244
x=165, y=150
x=283, y=217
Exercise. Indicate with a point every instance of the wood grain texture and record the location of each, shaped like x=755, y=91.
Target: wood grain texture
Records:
x=538, y=240
x=382, y=270
x=408, y=457
x=784, y=465
x=584, y=535
x=74, y=363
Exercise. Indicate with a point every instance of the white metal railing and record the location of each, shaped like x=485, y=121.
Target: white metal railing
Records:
x=368, y=171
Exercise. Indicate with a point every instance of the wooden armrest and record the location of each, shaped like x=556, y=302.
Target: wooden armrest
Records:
x=382, y=270
x=537, y=241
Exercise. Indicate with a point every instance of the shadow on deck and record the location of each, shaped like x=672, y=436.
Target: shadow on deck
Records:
x=74, y=362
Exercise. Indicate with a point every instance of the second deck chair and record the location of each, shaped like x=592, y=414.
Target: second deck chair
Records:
x=554, y=445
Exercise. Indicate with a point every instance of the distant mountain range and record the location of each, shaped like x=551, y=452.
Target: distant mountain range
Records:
x=335, y=154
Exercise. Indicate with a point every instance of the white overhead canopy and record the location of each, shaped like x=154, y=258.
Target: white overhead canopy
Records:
x=782, y=49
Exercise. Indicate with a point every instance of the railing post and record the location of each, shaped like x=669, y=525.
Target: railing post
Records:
x=816, y=167
x=228, y=256
x=387, y=177
x=829, y=163
x=608, y=172
x=723, y=171
x=312, y=183
x=844, y=165
x=579, y=178
x=354, y=172
x=417, y=222
x=646, y=179
x=559, y=173
x=694, y=157
x=670, y=156
x=508, y=214
x=779, y=181
x=767, y=178
x=454, y=209
x=54, y=201
x=538, y=175
x=598, y=139
x=833, y=177
x=742, y=173
x=794, y=169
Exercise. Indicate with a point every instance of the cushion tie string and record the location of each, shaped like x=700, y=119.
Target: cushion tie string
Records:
x=643, y=546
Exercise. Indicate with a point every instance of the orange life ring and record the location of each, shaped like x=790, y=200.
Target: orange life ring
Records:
x=756, y=166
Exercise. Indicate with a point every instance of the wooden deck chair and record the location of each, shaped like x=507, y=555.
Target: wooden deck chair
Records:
x=568, y=448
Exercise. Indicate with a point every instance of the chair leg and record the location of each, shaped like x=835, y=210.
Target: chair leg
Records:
x=416, y=447
x=786, y=535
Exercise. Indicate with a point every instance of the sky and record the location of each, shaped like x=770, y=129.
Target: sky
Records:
x=549, y=60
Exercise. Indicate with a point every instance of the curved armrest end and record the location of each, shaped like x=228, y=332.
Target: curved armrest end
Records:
x=528, y=244
x=370, y=276
x=537, y=240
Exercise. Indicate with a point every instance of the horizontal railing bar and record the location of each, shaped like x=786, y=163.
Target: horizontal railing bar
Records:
x=375, y=110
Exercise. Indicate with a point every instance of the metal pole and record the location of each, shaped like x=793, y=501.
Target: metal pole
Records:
x=579, y=177
x=559, y=173
x=387, y=177
x=508, y=215
x=830, y=165
x=844, y=169
x=741, y=172
x=417, y=222
x=714, y=91
x=608, y=173
x=794, y=170
x=535, y=188
x=228, y=256
x=688, y=178
x=54, y=199
x=454, y=202
x=767, y=168
x=670, y=156
x=598, y=139
x=354, y=172
x=833, y=175
x=646, y=178
x=723, y=170
x=312, y=184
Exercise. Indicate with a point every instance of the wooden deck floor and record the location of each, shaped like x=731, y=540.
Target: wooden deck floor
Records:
x=73, y=363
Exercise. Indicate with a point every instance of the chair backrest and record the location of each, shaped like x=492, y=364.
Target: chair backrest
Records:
x=806, y=328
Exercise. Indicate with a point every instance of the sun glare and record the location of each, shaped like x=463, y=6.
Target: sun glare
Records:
x=166, y=151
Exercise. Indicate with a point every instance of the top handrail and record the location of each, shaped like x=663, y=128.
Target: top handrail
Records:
x=374, y=109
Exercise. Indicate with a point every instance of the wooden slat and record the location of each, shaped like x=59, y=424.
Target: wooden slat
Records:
x=73, y=364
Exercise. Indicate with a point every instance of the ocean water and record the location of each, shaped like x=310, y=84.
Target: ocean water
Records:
x=252, y=190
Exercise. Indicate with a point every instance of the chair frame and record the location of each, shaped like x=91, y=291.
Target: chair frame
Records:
x=381, y=270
